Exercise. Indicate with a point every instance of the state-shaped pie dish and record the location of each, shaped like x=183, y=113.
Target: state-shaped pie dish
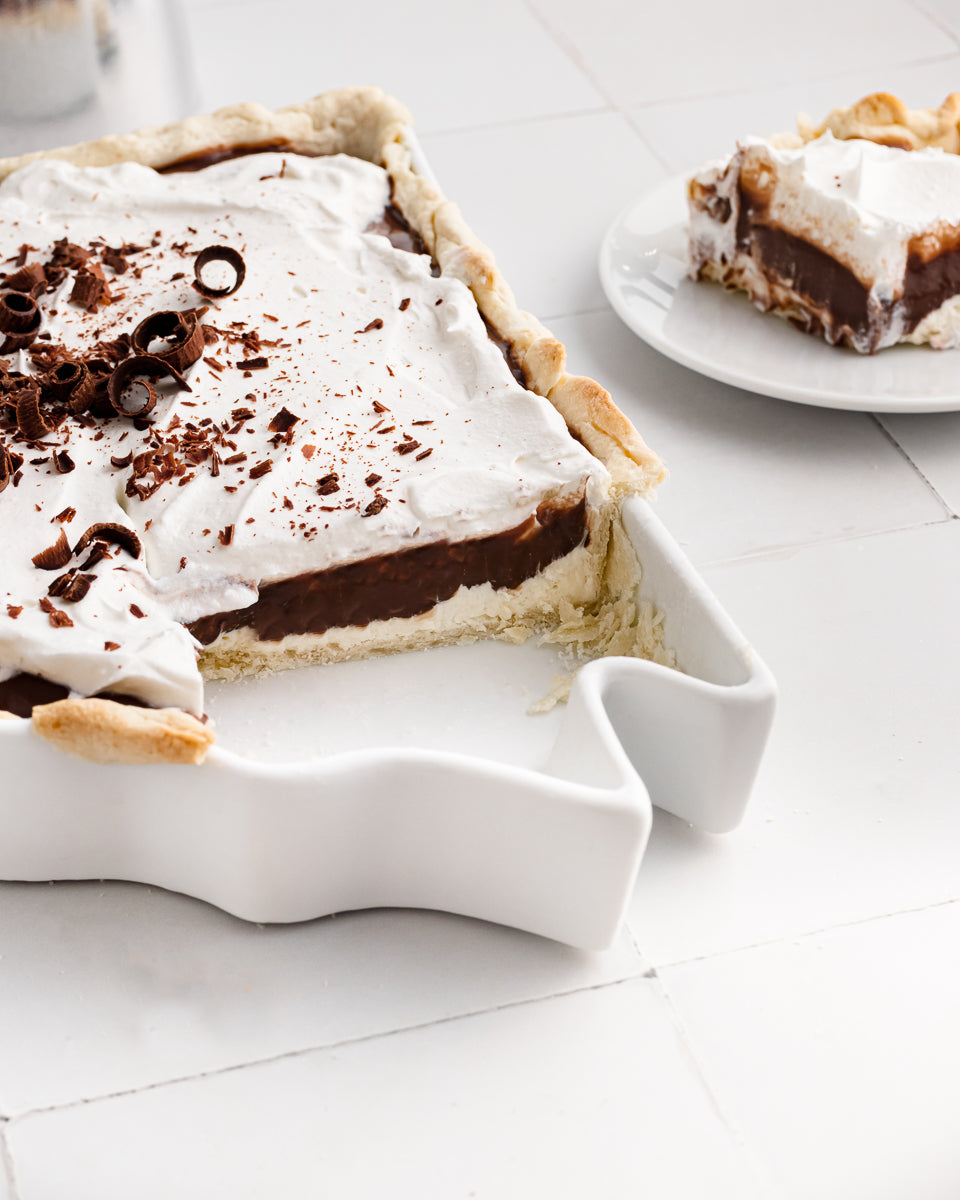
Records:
x=303, y=420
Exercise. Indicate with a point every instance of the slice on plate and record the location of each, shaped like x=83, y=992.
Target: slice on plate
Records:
x=850, y=229
x=267, y=401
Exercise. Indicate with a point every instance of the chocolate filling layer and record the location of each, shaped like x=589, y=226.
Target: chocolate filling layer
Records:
x=812, y=273
x=20, y=693
x=207, y=158
x=928, y=284
x=403, y=584
x=834, y=290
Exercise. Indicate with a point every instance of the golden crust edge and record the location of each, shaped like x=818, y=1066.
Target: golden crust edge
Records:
x=884, y=118
x=103, y=731
x=370, y=124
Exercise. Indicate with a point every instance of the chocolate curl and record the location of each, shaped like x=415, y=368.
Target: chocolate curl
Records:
x=218, y=254
x=71, y=382
x=181, y=329
x=106, y=531
x=53, y=557
x=26, y=279
x=19, y=320
x=32, y=424
x=6, y=467
x=134, y=368
x=100, y=371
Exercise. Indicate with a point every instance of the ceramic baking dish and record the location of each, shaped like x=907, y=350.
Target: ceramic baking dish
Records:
x=551, y=846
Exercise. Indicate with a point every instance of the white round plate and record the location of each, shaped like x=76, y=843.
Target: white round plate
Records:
x=643, y=265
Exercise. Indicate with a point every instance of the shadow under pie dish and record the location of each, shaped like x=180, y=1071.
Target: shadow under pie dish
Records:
x=360, y=446
x=850, y=229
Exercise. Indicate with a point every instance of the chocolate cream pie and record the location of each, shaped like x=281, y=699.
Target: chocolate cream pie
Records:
x=266, y=401
x=850, y=229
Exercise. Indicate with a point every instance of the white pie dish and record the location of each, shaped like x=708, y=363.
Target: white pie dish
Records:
x=552, y=851
x=643, y=270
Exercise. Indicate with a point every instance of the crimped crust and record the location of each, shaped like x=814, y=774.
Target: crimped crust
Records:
x=366, y=123
x=885, y=119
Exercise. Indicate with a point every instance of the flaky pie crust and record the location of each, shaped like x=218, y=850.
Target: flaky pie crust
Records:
x=885, y=119
x=367, y=123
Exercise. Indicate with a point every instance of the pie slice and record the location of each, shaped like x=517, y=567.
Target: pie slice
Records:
x=841, y=229
x=266, y=401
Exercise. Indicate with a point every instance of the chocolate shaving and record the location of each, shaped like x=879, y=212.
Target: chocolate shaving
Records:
x=58, y=618
x=115, y=349
x=53, y=557
x=14, y=611
x=282, y=421
x=54, y=276
x=121, y=460
x=261, y=469
x=26, y=279
x=107, y=531
x=133, y=368
x=69, y=254
x=183, y=332
x=372, y=479
x=329, y=484
x=88, y=287
x=406, y=447
x=114, y=258
x=377, y=504
x=252, y=364
x=137, y=611
x=72, y=587
x=98, y=552
x=226, y=536
x=111, y=645
x=376, y=323
x=218, y=254
x=63, y=463
x=6, y=467
x=32, y=424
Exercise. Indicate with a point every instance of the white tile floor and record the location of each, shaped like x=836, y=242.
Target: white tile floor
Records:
x=779, y=1020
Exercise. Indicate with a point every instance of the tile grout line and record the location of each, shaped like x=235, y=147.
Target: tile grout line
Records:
x=726, y=1119
x=804, y=936
x=771, y=554
x=7, y=1172
x=573, y=56
x=683, y=98
x=935, y=20
x=424, y=135
x=642, y=970
x=878, y=419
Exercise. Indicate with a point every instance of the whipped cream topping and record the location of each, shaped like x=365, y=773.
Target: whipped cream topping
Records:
x=407, y=424
x=861, y=202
